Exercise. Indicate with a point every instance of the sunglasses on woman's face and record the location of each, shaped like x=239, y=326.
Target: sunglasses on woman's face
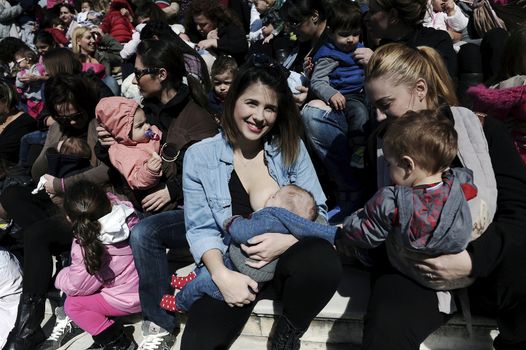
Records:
x=68, y=118
x=139, y=73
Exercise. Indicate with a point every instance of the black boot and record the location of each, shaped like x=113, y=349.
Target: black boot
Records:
x=27, y=333
x=113, y=338
x=286, y=336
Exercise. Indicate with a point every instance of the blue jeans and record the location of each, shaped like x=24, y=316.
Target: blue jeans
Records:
x=112, y=84
x=200, y=286
x=328, y=134
x=33, y=138
x=149, y=240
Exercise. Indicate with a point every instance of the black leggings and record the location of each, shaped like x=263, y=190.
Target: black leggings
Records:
x=45, y=231
x=306, y=278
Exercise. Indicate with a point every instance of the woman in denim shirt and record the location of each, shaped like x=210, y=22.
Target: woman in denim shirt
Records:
x=234, y=173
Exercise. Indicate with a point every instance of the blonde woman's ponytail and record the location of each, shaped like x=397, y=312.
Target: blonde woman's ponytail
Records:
x=439, y=76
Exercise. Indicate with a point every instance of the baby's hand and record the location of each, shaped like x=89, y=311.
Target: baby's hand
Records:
x=267, y=30
x=154, y=163
x=308, y=66
x=337, y=101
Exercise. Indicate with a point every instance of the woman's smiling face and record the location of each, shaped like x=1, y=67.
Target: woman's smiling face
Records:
x=255, y=112
x=65, y=15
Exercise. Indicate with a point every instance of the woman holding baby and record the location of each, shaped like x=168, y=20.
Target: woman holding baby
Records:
x=234, y=173
x=71, y=100
x=401, y=79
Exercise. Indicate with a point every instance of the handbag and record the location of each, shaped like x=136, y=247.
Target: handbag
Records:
x=485, y=18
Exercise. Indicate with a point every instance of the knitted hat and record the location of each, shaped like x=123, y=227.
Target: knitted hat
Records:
x=238, y=257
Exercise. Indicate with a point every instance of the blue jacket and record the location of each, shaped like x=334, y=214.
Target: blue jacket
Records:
x=280, y=220
x=207, y=203
x=348, y=77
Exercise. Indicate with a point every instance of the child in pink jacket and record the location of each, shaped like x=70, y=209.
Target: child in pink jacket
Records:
x=101, y=281
x=136, y=151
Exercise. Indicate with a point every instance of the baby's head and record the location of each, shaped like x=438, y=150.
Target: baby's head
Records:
x=438, y=5
x=86, y=6
x=25, y=58
x=125, y=120
x=423, y=142
x=223, y=73
x=74, y=146
x=344, y=20
x=141, y=131
x=296, y=200
x=262, y=6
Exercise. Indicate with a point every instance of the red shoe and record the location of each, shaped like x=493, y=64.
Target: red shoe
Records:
x=168, y=303
x=180, y=282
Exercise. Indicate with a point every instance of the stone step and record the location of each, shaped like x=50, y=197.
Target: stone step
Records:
x=338, y=326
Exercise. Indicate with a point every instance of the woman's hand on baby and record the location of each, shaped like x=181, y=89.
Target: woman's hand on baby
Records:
x=206, y=44
x=212, y=34
x=362, y=55
x=267, y=30
x=237, y=289
x=267, y=247
x=156, y=200
x=442, y=270
x=268, y=38
x=105, y=138
x=154, y=163
x=48, y=186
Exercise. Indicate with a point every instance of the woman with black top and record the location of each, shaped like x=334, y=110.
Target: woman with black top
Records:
x=258, y=151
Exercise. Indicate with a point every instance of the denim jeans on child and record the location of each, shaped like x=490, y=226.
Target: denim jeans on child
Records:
x=201, y=285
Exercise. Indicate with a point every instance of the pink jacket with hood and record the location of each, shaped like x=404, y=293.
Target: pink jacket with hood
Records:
x=129, y=157
x=117, y=280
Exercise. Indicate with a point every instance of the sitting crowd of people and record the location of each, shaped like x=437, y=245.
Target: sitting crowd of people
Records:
x=266, y=140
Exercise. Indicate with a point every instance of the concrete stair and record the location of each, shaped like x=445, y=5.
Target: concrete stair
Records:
x=338, y=326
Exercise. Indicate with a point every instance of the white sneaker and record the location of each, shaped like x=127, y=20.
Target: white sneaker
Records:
x=155, y=337
x=64, y=332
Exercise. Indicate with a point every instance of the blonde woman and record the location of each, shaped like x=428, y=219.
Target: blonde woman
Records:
x=400, y=79
x=98, y=52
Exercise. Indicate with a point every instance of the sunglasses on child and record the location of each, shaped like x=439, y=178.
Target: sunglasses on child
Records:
x=139, y=73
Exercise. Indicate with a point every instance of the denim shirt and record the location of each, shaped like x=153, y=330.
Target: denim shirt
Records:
x=207, y=168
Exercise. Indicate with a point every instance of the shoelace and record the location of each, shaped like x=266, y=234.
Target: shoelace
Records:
x=60, y=327
x=152, y=341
